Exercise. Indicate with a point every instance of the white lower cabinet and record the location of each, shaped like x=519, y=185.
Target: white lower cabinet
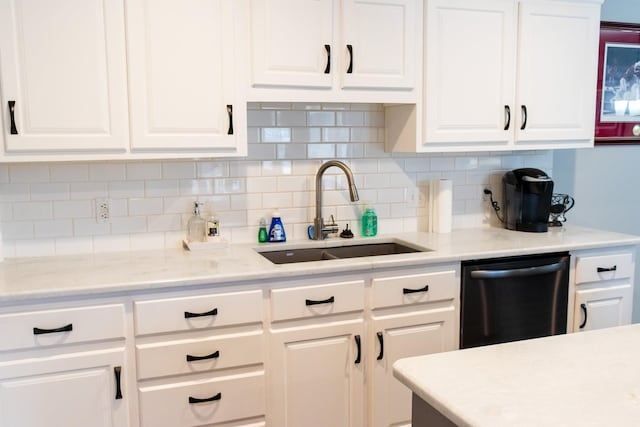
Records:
x=64, y=367
x=200, y=359
x=413, y=314
x=317, y=375
x=604, y=289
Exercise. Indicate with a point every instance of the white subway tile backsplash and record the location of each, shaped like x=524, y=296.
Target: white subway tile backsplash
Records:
x=49, y=209
x=25, y=173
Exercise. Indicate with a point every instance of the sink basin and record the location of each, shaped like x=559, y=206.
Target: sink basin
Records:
x=289, y=256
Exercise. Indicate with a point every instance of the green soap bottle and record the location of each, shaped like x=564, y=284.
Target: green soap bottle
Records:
x=369, y=223
x=262, y=232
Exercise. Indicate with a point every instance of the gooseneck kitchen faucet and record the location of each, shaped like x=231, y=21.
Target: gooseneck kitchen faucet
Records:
x=319, y=228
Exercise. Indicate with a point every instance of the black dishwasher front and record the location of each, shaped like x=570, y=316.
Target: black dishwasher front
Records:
x=515, y=298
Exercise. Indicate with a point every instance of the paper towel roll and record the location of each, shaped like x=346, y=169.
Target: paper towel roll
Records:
x=440, y=205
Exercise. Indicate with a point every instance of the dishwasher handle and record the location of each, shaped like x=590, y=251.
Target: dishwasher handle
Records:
x=518, y=272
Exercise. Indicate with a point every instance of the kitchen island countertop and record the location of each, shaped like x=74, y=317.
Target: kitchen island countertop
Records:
x=23, y=279
x=581, y=379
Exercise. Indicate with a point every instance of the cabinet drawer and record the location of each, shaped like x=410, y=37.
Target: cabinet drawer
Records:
x=414, y=289
x=205, y=311
x=604, y=267
x=198, y=355
x=231, y=397
x=317, y=300
x=65, y=326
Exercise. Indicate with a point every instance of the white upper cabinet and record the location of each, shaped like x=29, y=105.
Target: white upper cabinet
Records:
x=498, y=76
x=181, y=58
x=291, y=42
x=335, y=50
x=63, y=75
x=557, y=72
x=469, y=71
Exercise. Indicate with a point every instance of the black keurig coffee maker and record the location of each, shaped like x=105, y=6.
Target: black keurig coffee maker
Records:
x=527, y=199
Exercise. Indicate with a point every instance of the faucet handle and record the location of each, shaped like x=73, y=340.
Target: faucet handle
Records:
x=332, y=221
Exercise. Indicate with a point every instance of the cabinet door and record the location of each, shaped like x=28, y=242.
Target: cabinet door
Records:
x=292, y=43
x=395, y=337
x=181, y=67
x=557, y=71
x=380, y=42
x=602, y=307
x=63, y=71
x=77, y=390
x=317, y=377
x=469, y=78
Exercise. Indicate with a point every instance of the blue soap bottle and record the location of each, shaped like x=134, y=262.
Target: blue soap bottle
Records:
x=276, y=229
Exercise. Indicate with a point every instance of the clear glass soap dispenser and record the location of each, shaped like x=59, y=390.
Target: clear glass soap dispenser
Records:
x=196, y=227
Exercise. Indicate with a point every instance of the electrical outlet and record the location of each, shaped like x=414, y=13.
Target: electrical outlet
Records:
x=413, y=197
x=103, y=210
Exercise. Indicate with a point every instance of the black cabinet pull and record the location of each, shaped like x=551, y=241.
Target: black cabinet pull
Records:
x=507, y=117
x=12, y=114
x=350, y=49
x=524, y=117
x=188, y=315
x=117, y=371
x=359, y=347
x=413, y=291
x=329, y=300
x=381, y=341
x=230, y=113
x=584, y=311
x=327, y=69
x=605, y=269
x=213, y=355
x=66, y=328
x=208, y=399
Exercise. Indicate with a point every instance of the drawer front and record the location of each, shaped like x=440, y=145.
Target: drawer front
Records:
x=198, y=355
x=45, y=328
x=317, y=300
x=604, y=267
x=415, y=289
x=232, y=397
x=205, y=311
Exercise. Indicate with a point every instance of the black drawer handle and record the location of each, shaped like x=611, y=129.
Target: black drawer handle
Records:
x=327, y=69
x=117, y=371
x=381, y=341
x=230, y=113
x=213, y=355
x=604, y=269
x=359, y=348
x=507, y=117
x=413, y=291
x=329, y=300
x=12, y=114
x=208, y=399
x=188, y=315
x=66, y=328
x=584, y=311
x=350, y=49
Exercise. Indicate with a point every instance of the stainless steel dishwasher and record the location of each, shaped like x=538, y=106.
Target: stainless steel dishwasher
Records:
x=515, y=298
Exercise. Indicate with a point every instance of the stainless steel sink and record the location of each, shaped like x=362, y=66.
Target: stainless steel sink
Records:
x=289, y=256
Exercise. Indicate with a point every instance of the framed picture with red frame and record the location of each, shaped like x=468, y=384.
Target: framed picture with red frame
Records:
x=618, y=91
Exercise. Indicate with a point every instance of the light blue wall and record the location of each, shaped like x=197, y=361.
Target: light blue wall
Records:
x=605, y=181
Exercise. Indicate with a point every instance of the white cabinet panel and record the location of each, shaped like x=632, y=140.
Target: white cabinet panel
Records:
x=292, y=42
x=557, y=71
x=182, y=57
x=469, y=71
x=75, y=390
x=63, y=64
x=317, y=376
x=380, y=38
x=602, y=307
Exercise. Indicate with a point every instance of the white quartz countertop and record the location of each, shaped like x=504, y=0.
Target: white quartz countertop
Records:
x=581, y=379
x=94, y=274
